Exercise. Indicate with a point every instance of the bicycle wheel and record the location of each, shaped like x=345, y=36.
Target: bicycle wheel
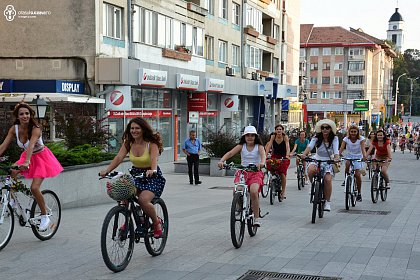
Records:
x=237, y=220
x=266, y=187
x=374, y=190
x=155, y=246
x=370, y=170
x=315, y=186
x=279, y=189
x=6, y=228
x=384, y=190
x=321, y=201
x=299, y=177
x=348, y=192
x=272, y=191
x=52, y=203
x=353, y=193
x=117, y=238
x=418, y=152
x=252, y=230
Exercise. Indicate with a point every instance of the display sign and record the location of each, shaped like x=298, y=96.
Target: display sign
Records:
x=187, y=82
x=197, y=102
x=119, y=98
x=6, y=85
x=153, y=78
x=360, y=105
x=215, y=85
x=265, y=88
x=140, y=113
x=229, y=103
x=69, y=87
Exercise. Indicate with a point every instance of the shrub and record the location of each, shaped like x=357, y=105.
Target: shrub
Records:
x=219, y=143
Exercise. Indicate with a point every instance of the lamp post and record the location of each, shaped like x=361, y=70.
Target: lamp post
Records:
x=40, y=107
x=411, y=91
x=396, y=92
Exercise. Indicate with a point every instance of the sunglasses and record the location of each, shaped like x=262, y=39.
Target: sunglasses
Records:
x=325, y=127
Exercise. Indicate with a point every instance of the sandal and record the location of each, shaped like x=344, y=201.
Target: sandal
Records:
x=157, y=229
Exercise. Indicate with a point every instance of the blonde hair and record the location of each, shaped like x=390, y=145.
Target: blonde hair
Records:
x=353, y=127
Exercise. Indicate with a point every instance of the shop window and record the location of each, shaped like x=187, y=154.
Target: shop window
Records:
x=164, y=99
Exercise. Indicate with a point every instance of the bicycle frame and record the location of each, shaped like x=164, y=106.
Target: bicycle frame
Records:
x=242, y=187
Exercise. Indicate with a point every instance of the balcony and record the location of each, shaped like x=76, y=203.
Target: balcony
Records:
x=251, y=31
x=355, y=86
x=271, y=40
x=180, y=54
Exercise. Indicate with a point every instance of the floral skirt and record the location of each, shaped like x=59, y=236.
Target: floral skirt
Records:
x=277, y=166
x=155, y=184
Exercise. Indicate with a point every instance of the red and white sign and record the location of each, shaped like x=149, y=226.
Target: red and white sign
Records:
x=187, y=82
x=119, y=98
x=229, y=103
x=197, y=102
x=140, y=113
x=193, y=117
x=208, y=114
x=152, y=78
x=215, y=85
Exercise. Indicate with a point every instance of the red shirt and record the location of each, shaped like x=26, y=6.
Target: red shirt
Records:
x=381, y=151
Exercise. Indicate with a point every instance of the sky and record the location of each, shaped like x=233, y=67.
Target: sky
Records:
x=371, y=16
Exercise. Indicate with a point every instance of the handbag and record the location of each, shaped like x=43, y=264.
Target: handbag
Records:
x=335, y=166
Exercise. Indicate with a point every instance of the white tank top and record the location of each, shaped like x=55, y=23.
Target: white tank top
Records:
x=252, y=157
x=39, y=144
x=354, y=149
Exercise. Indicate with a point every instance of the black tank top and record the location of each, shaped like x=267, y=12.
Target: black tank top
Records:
x=279, y=149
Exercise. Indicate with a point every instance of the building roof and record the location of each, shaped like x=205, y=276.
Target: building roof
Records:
x=396, y=16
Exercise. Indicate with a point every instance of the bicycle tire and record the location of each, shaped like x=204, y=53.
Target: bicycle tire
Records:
x=374, y=192
x=354, y=193
x=315, y=200
x=252, y=230
x=418, y=153
x=299, y=176
x=7, y=227
x=272, y=192
x=279, y=189
x=53, y=205
x=266, y=187
x=384, y=190
x=302, y=179
x=118, y=238
x=348, y=193
x=370, y=170
x=321, y=201
x=155, y=246
x=236, y=218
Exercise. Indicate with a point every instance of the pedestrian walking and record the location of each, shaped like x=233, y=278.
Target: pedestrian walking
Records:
x=192, y=148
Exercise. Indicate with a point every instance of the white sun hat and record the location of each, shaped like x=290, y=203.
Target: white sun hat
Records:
x=327, y=122
x=250, y=130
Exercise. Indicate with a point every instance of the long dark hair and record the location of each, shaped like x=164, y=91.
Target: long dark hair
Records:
x=320, y=139
x=376, y=136
x=147, y=132
x=256, y=141
x=32, y=122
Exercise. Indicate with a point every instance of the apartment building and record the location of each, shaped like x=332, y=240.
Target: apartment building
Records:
x=339, y=66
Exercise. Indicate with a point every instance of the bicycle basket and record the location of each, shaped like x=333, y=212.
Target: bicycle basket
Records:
x=122, y=188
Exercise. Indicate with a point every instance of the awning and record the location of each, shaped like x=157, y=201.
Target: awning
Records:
x=50, y=97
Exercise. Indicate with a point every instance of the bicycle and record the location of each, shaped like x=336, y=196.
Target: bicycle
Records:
x=266, y=187
x=300, y=175
x=241, y=210
x=351, y=186
x=127, y=223
x=317, y=189
x=14, y=195
x=275, y=186
x=377, y=183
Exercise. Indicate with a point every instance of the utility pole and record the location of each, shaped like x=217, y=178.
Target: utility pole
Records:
x=411, y=91
x=396, y=93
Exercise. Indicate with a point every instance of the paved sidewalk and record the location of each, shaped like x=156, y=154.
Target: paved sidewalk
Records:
x=351, y=246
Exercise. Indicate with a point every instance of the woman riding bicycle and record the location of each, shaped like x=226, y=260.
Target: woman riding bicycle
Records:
x=252, y=152
x=279, y=143
x=36, y=162
x=300, y=145
x=144, y=148
x=383, y=152
x=354, y=144
x=326, y=143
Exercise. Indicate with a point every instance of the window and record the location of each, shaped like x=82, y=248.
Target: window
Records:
x=314, y=66
x=276, y=67
x=338, y=80
x=168, y=35
x=326, y=66
x=176, y=32
x=302, y=52
x=357, y=51
x=113, y=21
x=236, y=11
x=253, y=57
x=314, y=80
x=338, y=66
x=161, y=27
x=222, y=51
x=325, y=80
x=198, y=41
x=356, y=80
x=253, y=18
x=356, y=65
x=326, y=51
x=337, y=95
x=394, y=38
x=236, y=55
x=276, y=35
x=314, y=51
x=149, y=31
x=209, y=5
x=188, y=36
x=223, y=9
x=313, y=94
x=209, y=41
x=325, y=95
x=354, y=94
x=339, y=51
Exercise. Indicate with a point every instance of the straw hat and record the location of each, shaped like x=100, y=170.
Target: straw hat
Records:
x=250, y=130
x=327, y=122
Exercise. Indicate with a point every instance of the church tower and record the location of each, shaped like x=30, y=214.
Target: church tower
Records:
x=395, y=30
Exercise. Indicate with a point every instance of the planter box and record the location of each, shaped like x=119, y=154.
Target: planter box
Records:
x=182, y=167
x=251, y=31
x=169, y=53
x=271, y=40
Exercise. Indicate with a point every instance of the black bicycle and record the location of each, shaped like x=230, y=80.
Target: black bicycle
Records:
x=351, y=186
x=127, y=223
x=377, y=184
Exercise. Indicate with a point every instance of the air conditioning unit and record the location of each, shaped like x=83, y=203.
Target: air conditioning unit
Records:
x=230, y=71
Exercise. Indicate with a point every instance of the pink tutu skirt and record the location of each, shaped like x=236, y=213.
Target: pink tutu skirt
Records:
x=43, y=165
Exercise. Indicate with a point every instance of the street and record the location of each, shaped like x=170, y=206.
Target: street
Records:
x=344, y=244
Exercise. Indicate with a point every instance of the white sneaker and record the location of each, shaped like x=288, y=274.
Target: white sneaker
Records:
x=45, y=222
x=257, y=222
x=327, y=206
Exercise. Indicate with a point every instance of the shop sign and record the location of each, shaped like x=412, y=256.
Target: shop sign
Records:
x=152, y=78
x=208, y=114
x=265, y=88
x=187, y=82
x=193, y=117
x=197, y=102
x=119, y=98
x=69, y=87
x=360, y=105
x=140, y=113
x=229, y=103
x=287, y=91
x=6, y=85
x=295, y=106
x=285, y=105
x=215, y=85
x=284, y=116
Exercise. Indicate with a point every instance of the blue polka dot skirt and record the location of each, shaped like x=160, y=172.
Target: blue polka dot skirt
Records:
x=155, y=184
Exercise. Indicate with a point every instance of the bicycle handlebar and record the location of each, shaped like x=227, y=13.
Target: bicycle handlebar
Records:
x=329, y=161
x=353, y=159
x=250, y=167
x=116, y=174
